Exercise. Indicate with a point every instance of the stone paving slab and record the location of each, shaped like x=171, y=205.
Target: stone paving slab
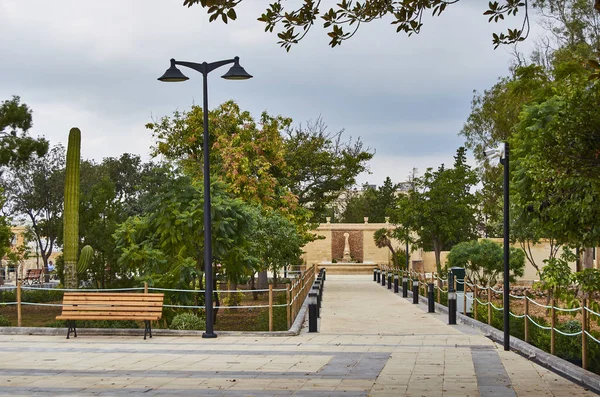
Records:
x=371, y=343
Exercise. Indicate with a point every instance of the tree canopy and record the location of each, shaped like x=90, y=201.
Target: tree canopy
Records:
x=439, y=207
x=345, y=18
x=16, y=146
x=484, y=263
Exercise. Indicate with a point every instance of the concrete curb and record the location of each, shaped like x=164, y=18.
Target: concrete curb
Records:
x=562, y=367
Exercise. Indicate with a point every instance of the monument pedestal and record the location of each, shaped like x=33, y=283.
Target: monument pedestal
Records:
x=347, y=267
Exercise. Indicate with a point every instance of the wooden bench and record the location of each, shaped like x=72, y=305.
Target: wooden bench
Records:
x=111, y=306
x=33, y=276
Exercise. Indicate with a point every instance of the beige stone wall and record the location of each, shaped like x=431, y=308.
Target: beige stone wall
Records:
x=323, y=250
x=539, y=252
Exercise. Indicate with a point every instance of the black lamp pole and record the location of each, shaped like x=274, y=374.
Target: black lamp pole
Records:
x=506, y=291
x=174, y=75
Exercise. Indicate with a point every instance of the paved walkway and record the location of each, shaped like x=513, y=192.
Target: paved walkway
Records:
x=371, y=343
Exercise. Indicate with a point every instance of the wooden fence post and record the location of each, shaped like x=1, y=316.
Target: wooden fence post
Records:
x=439, y=298
x=526, y=318
x=475, y=297
x=288, y=306
x=18, y=302
x=270, y=307
x=584, y=344
x=553, y=324
x=489, y=305
x=145, y=287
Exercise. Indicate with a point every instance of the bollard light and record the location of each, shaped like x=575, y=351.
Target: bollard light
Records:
x=415, y=291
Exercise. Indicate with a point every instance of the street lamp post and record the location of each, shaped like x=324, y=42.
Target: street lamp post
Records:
x=506, y=291
x=502, y=154
x=236, y=72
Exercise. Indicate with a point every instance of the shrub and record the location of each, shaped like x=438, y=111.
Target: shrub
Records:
x=279, y=316
x=187, y=321
x=232, y=298
x=4, y=322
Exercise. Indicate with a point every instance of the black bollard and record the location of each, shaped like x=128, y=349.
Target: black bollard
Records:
x=375, y=274
x=312, y=312
x=451, y=300
x=383, y=279
x=378, y=276
x=321, y=286
x=324, y=274
x=415, y=291
x=389, y=281
x=315, y=289
x=404, y=285
x=395, y=283
x=430, y=298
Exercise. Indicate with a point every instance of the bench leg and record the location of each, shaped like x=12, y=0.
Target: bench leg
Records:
x=147, y=329
x=71, y=325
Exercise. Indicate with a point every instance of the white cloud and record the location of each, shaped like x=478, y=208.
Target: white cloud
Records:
x=95, y=64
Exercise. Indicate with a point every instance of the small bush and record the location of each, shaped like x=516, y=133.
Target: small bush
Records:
x=279, y=316
x=187, y=321
x=232, y=298
x=4, y=322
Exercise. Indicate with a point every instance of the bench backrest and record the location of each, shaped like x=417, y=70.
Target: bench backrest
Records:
x=134, y=305
x=34, y=273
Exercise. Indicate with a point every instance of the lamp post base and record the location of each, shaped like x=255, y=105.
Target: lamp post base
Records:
x=206, y=335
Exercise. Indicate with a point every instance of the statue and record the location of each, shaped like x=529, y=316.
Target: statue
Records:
x=347, y=257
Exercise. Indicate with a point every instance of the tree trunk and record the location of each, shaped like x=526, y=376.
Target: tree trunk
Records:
x=588, y=258
x=253, y=287
x=263, y=280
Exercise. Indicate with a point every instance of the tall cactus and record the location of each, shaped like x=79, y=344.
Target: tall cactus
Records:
x=71, y=210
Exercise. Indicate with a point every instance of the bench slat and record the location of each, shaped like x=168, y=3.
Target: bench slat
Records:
x=104, y=308
x=114, y=293
x=113, y=301
x=95, y=317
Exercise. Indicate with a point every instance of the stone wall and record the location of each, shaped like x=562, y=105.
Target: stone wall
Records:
x=331, y=244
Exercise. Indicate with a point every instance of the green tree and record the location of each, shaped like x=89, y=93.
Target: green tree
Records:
x=376, y=204
x=483, y=261
x=276, y=241
x=383, y=239
x=406, y=16
x=16, y=146
x=440, y=208
x=111, y=192
x=247, y=158
x=553, y=181
x=165, y=246
x=321, y=165
x=35, y=195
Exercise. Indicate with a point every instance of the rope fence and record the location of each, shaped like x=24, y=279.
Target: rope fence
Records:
x=471, y=293
x=295, y=294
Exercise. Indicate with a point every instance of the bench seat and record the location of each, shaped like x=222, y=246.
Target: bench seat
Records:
x=111, y=306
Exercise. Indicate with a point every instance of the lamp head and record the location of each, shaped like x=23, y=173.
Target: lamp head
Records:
x=173, y=74
x=236, y=72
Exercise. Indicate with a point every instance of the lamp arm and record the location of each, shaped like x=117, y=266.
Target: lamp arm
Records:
x=205, y=68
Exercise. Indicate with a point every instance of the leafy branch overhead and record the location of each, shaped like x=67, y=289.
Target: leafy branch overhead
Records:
x=345, y=18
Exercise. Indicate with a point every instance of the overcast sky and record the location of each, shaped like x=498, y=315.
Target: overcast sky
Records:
x=94, y=65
